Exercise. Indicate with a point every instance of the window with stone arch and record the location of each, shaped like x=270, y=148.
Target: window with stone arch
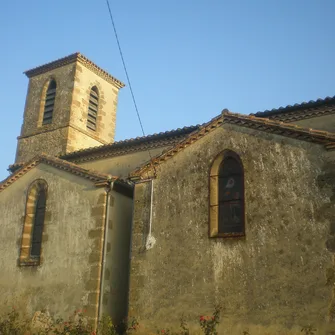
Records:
x=227, y=209
x=93, y=107
x=31, y=244
x=49, y=103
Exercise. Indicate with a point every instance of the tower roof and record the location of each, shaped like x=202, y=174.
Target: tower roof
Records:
x=76, y=57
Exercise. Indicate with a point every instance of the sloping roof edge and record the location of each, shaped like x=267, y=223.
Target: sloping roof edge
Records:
x=94, y=176
x=129, y=145
x=307, y=109
x=249, y=121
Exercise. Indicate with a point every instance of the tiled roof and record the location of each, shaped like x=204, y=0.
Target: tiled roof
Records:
x=301, y=111
x=94, y=176
x=71, y=59
x=261, y=124
x=162, y=139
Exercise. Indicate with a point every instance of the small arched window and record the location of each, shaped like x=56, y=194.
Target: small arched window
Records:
x=31, y=243
x=93, y=108
x=49, y=102
x=227, y=196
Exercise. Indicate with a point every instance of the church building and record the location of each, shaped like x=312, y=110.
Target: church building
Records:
x=238, y=211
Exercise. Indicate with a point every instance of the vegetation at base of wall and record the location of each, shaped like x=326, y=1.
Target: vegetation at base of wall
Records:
x=13, y=323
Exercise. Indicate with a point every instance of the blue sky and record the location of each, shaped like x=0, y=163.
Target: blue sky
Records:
x=187, y=59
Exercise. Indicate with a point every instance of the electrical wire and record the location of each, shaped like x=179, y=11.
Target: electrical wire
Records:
x=125, y=68
x=128, y=79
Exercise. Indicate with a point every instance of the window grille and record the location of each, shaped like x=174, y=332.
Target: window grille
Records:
x=93, y=109
x=49, y=102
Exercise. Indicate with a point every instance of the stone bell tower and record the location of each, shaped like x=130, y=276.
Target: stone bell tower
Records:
x=71, y=105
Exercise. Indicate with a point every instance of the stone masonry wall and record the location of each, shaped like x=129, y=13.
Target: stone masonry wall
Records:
x=68, y=131
x=52, y=142
x=50, y=138
x=108, y=93
x=277, y=279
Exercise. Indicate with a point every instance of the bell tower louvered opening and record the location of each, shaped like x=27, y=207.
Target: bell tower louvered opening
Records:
x=49, y=102
x=93, y=109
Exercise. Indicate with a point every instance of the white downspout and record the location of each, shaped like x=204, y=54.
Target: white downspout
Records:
x=150, y=242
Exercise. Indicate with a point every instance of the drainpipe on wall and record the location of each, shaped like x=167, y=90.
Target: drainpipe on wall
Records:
x=150, y=242
x=103, y=261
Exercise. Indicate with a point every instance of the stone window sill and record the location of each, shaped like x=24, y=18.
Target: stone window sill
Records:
x=30, y=262
x=229, y=235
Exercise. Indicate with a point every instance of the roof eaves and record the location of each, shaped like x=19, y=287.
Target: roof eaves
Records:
x=91, y=175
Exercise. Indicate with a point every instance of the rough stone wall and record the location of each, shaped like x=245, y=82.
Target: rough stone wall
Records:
x=51, y=136
x=50, y=142
x=326, y=122
x=275, y=280
x=68, y=277
x=64, y=77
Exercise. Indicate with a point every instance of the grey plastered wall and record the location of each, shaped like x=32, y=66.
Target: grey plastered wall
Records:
x=66, y=279
x=121, y=165
x=117, y=253
x=276, y=280
x=326, y=122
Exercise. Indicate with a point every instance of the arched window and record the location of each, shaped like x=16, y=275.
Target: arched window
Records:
x=36, y=239
x=49, y=102
x=31, y=243
x=93, y=108
x=227, y=196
